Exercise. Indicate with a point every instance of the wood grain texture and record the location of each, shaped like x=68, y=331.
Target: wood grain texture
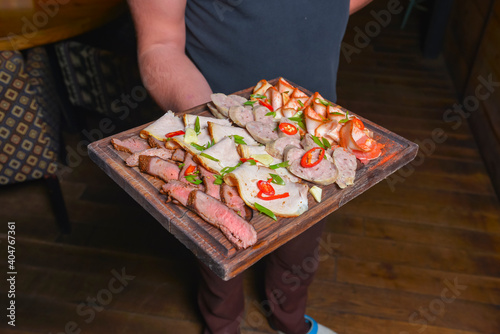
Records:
x=207, y=242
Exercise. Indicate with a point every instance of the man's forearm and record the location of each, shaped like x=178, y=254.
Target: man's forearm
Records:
x=356, y=5
x=172, y=79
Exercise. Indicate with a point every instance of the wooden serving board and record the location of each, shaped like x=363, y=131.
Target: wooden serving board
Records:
x=207, y=242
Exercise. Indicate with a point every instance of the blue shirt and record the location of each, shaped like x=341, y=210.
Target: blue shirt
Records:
x=236, y=43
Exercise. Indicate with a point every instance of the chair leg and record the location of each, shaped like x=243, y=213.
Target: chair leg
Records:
x=408, y=11
x=57, y=202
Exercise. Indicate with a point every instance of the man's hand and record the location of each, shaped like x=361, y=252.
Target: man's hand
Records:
x=356, y=5
x=169, y=75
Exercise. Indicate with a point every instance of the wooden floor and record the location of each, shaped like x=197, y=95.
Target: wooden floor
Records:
x=418, y=253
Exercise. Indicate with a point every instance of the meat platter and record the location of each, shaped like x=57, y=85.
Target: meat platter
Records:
x=207, y=242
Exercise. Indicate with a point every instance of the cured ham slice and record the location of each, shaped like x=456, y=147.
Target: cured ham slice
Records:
x=284, y=86
x=236, y=229
x=245, y=178
x=358, y=141
x=261, y=87
x=130, y=145
x=313, y=119
x=159, y=168
x=162, y=153
x=165, y=124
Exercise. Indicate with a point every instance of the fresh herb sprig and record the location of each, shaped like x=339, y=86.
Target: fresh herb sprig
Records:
x=265, y=211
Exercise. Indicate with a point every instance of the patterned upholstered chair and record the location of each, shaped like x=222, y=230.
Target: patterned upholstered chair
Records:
x=29, y=124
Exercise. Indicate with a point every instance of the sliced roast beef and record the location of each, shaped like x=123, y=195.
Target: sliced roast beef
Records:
x=277, y=147
x=188, y=162
x=163, y=153
x=264, y=133
x=159, y=168
x=177, y=190
x=208, y=178
x=171, y=145
x=324, y=173
x=237, y=230
x=155, y=143
x=230, y=196
x=241, y=115
x=179, y=155
x=130, y=145
x=346, y=164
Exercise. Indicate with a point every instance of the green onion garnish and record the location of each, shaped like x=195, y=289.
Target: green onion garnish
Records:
x=265, y=211
x=203, y=154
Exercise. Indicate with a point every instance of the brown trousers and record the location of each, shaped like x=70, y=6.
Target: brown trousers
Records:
x=289, y=272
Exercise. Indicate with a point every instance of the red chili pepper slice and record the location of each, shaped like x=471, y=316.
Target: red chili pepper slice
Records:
x=265, y=187
x=357, y=123
x=267, y=105
x=270, y=198
x=190, y=170
x=246, y=159
x=175, y=133
x=306, y=160
x=288, y=128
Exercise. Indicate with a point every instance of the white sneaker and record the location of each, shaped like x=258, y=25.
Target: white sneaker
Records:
x=315, y=327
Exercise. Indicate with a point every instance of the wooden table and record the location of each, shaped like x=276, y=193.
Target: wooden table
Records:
x=29, y=23
x=207, y=242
